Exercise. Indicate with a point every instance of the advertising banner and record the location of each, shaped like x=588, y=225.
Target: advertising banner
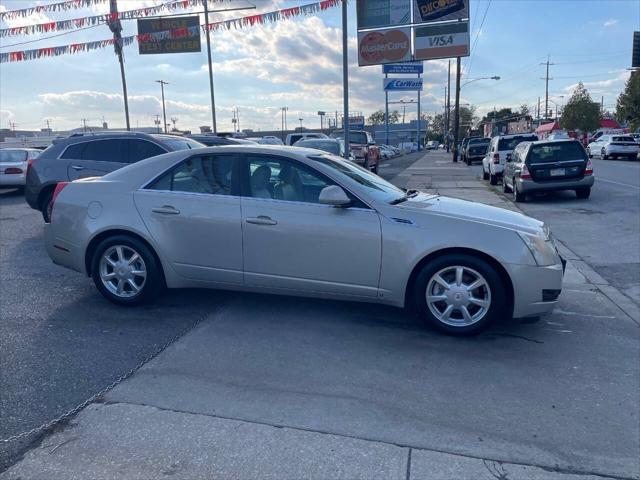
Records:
x=403, y=68
x=384, y=46
x=184, y=44
x=440, y=10
x=402, y=84
x=383, y=13
x=442, y=41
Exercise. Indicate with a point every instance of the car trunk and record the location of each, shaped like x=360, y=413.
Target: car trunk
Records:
x=569, y=169
x=565, y=160
x=479, y=150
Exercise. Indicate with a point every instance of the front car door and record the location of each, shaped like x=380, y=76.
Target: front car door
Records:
x=291, y=241
x=193, y=214
x=95, y=158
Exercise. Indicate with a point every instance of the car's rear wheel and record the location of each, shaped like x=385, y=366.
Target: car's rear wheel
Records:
x=633, y=157
x=459, y=294
x=46, y=206
x=583, y=192
x=517, y=195
x=125, y=271
x=505, y=187
x=485, y=175
x=493, y=179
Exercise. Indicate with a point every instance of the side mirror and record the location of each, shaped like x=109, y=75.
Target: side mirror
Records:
x=335, y=196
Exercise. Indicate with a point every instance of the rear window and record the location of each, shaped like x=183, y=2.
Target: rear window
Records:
x=479, y=141
x=510, y=143
x=556, y=152
x=331, y=147
x=623, y=139
x=13, y=155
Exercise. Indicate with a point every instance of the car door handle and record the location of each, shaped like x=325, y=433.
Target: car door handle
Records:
x=77, y=167
x=166, y=210
x=261, y=220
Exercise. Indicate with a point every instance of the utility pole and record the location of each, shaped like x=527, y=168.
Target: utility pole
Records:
x=238, y=117
x=538, y=109
x=164, y=112
x=300, y=120
x=448, y=113
x=213, y=101
x=48, y=125
x=602, y=105
x=84, y=124
x=282, y=121
x=13, y=126
x=386, y=113
x=456, y=122
x=345, y=81
x=174, y=120
x=157, y=122
x=116, y=27
x=404, y=111
x=546, y=95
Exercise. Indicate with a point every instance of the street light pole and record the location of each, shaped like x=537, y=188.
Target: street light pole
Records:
x=116, y=28
x=448, y=107
x=164, y=112
x=345, y=81
x=456, y=121
x=213, y=101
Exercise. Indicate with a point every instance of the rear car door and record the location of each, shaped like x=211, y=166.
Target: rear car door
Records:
x=291, y=241
x=139, y=149
x=95, y=158
x=193, y=214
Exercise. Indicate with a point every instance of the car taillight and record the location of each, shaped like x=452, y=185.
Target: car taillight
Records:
x=496, y=158
x=524, y=173
x=589, y=168
x=59, y=187
x=29, y=163
x=12, y=170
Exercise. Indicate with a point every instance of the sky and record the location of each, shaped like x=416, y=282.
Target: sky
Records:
x=298, y=63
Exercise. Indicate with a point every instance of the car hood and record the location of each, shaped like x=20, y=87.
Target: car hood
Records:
x=471, y=211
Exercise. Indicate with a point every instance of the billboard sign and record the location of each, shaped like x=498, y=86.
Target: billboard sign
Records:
x=383, y=13
x=356, y=122
x=384, y=46
x=403, y=68
x=441, y=10
x=402, y=84
x=184, y=44
x=442, y=41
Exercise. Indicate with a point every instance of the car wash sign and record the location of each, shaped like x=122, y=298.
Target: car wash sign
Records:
x=402, y=84
x=442, y=41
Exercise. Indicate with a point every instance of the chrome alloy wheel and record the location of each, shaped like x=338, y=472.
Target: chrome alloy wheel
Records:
x=123, y=271
x=458, y=296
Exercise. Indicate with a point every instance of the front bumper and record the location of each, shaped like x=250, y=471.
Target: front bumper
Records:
x=527, y=186
x=529, y=286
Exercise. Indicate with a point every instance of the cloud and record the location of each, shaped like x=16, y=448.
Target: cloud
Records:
x=610, y=23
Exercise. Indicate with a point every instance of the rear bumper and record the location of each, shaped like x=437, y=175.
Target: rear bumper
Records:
x=12, y=179
x=62, y=252
x=614, y=150
x=527, y=186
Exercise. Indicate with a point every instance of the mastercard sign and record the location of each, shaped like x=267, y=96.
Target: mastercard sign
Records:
x=384, y=46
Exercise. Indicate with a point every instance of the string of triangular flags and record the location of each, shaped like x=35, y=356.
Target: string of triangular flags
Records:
x=96, y=19
x=51, y=7
x=234, y=23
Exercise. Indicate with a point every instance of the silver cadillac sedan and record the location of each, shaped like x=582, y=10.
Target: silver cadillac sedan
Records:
x=297, y=221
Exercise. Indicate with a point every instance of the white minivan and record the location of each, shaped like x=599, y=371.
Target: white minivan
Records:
x=499, y=148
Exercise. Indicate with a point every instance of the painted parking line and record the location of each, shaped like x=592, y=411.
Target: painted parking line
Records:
x=600, y=179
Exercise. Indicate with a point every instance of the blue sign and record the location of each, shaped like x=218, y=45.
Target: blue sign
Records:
x=410, y=68
x=401, y=84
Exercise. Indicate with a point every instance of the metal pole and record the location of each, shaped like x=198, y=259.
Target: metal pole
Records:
x=448, y=114
x=345, y=80
x=386, y=113
x=546, y=95
x=213, y=101
x=418, y=135
x=116, y=28
x=456, y=121
x=164, y=112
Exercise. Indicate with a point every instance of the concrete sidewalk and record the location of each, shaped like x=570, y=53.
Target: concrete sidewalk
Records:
x=135, y=435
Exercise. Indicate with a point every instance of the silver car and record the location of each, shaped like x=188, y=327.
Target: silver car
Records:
x=610, y=146
x=297, y=221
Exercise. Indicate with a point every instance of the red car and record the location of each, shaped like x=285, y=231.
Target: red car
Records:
x=363, y=147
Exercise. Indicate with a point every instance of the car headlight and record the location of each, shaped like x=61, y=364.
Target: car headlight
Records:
x=541, y=247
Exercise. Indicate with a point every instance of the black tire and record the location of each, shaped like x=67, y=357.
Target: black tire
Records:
x=365, y=164
x=45, y=207
x=517, y=195
x=583, y=192
x=603, y=155
x=493, y=179
x=154, y=282
x=632, y=157
x=497, y=289
x=485, y=175
x=505, y=187
x=374, y=169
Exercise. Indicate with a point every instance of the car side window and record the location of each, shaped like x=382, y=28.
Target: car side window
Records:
x=141, y=149
x=74, y=151
x=282, y=179
x=208, y=174
x=112, y=150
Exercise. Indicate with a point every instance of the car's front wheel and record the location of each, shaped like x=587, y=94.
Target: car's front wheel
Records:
x=125, y=271
x=459, y=294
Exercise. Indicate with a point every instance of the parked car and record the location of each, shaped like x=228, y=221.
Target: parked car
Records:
x=548, y=165
x=13, y=165
x=432, y=145
x=363, y=146
x=605, y=131
x=270, y=140
x=92, y=155
x=395, y=151
x=611, y=146
x=493, y=162
x=558, y=135
x=409, y=147
x=330, y=145
x=213, y=140
x=386, y=152
x=463, y=146
x=296, y=222
x=296, y=137
x=476, y=149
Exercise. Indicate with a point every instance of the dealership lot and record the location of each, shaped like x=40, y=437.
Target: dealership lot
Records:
x=560, y=393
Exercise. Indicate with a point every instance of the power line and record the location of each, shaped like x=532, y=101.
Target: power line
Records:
x=475, y=41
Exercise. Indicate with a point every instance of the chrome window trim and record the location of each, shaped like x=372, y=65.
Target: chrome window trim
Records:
x=178, y=192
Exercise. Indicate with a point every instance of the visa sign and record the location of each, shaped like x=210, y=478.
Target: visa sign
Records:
x=401, y=84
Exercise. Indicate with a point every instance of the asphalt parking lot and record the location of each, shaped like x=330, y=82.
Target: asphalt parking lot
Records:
x=561, y=393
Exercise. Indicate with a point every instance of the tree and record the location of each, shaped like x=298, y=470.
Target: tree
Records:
x=628, y=104
x=497, y=115
x=377, y=118
x=580, y=112
x=525, y=111
x=394, y=117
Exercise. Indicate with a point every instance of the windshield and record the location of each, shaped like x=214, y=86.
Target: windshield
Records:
x=511, y=143
x=480, y=142
x=331, y=147
x=182, y=144
x=13, y=155
x=556, y=152
x=375, y=186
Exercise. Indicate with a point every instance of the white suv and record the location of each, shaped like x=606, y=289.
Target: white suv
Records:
x=496, y=157
x=609, y=146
